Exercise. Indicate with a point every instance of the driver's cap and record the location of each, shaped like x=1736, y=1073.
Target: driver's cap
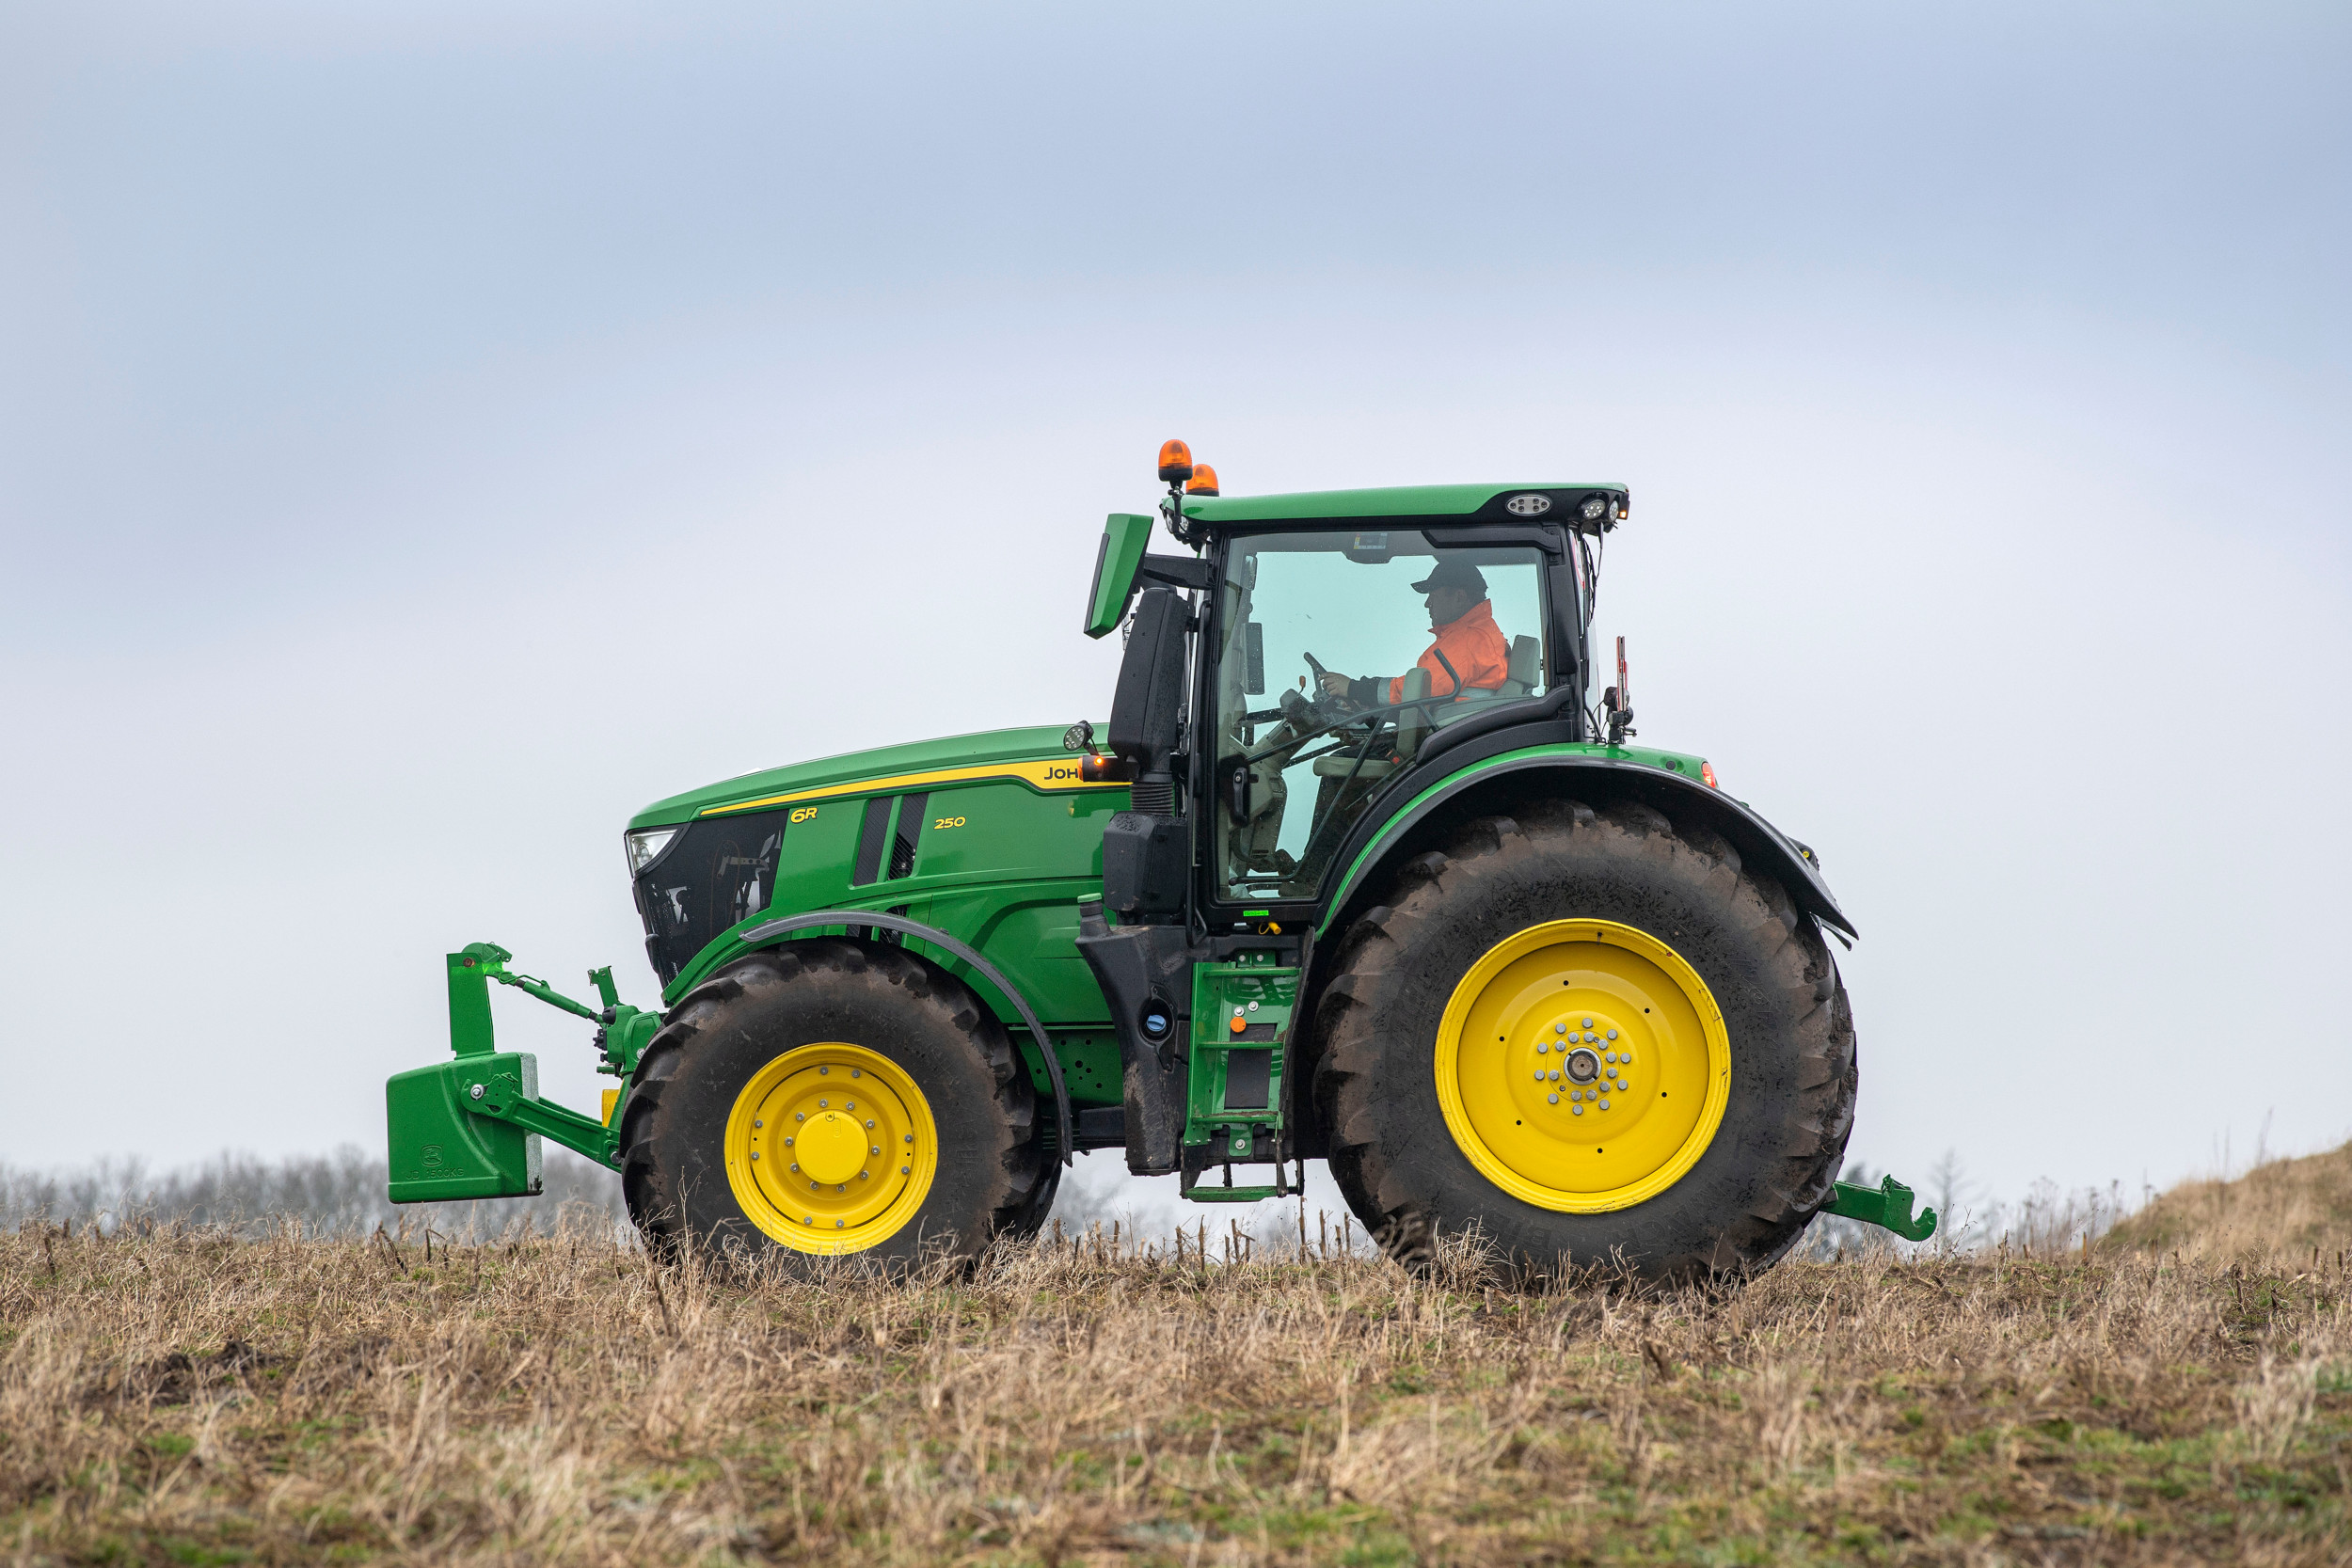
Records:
x=1454, y=573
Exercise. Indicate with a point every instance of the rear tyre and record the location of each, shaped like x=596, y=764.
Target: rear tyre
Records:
x=1691, y=1008
x=830, y=1099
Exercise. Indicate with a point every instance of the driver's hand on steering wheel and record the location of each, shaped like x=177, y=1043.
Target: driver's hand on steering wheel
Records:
x=1334, y=686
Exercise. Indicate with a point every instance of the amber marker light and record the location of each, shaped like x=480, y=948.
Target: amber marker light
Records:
x=1094, y=768
x=1175, y=462
x=1203, y=481
x=1706, y=775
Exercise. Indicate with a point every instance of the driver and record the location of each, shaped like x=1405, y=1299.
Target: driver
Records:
x=1464, y=622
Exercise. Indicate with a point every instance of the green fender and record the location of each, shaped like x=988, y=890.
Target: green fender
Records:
x=1592, y=774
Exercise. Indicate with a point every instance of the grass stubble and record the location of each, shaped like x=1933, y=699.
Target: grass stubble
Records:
x=192, y=1396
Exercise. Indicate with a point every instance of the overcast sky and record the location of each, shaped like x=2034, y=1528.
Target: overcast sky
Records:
x=428, y=434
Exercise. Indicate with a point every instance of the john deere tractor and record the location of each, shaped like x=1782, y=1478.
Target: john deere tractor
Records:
x=1358, y=869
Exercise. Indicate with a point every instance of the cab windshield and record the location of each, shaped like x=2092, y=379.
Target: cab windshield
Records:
x=1341, y=654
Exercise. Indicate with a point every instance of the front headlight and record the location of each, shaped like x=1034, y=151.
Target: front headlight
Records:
x=644, y=846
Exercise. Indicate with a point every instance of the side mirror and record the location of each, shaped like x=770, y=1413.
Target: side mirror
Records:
x=1116, y=563
x=1150, y=697
x=1253, y=658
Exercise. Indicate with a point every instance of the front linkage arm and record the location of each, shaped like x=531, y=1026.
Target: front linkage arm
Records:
x=463, y=1129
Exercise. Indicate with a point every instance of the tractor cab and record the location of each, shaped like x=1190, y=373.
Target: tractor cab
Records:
x=1340, y=645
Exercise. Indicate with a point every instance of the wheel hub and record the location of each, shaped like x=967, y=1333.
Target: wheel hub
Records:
x=832, y=1148
x=1583, y=1061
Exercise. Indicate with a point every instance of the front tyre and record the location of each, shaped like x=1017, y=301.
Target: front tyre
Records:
x=835, y=1099
x=1591, y=1039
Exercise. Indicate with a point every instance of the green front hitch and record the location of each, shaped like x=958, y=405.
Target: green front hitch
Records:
x=1886, y=1206
x=470, y=1128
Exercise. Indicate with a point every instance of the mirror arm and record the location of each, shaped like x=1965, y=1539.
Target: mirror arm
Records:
x=1178, y=571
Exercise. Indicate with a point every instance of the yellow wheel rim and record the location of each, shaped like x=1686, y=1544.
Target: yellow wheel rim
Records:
x=1582, y=1066
x=830, y=1148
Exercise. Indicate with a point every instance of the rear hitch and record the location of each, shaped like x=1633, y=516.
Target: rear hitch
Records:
x=1886, y=1206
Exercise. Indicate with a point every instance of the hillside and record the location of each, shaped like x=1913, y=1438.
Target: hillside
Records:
x=195, y=1397
x=2293, y=1208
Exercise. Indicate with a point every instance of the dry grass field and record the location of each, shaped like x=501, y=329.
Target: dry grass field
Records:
x=192, y=1397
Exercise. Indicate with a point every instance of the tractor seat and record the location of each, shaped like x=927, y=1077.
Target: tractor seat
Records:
x=1525, y=668
x=1521, y=674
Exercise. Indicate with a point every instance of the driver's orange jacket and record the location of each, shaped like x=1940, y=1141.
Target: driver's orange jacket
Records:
x=1473, y=645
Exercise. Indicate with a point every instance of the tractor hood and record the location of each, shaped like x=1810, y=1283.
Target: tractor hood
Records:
x=916, y=765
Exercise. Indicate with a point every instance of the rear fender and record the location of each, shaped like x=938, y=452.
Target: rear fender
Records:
x=1495, y=782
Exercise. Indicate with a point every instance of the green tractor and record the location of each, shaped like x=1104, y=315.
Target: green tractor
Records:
x=1358, y=869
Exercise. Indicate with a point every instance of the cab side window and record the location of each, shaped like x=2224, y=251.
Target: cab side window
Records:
x=1341, y=654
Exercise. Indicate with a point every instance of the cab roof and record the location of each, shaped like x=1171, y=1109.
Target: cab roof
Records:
x=1427, y=502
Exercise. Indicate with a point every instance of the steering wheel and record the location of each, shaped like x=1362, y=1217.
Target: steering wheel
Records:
x=1326, y=704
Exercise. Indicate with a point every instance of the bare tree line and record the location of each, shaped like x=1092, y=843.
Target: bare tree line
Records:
x=336, y=1194
x=341, y=1194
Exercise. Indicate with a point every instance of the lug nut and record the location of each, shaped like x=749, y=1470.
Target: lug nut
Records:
x=910, y=1137
x=869, y=1123
x=788, y=1143
x=757, y=1122
x=1613, y=1034
x=1541, y=1046
x=800, y=1115
x=825, y=1069
x=754, y=1154
x=1551, y=1100
x=1539, y=1075
x=866, y=1175
x=1604, y=1104
x=1578, y=1110
x=874, y=1151
x=1588, y=1024
x=796, y=1169
x=855, y=1073
x=904, y=1170
x=1558, y=1028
